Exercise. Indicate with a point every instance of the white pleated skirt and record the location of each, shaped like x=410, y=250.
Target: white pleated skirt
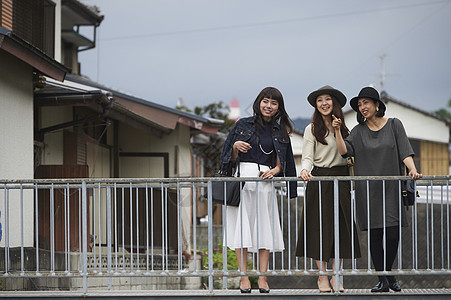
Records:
x=243, y=222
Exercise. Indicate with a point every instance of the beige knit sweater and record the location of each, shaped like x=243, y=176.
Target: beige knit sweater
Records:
x=316, y=154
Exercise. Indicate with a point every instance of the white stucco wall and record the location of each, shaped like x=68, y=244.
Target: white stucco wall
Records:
x=16, y=148
x=297, y=141
x=182, y=138
x=53, y=141
x=98, y=159
x=133, y=140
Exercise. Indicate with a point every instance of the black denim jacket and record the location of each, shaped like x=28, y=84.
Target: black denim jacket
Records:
x=244, y=130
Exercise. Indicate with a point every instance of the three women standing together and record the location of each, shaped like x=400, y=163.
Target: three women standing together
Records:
x=264, y=149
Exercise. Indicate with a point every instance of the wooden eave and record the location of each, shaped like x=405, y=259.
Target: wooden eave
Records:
x=31, y=55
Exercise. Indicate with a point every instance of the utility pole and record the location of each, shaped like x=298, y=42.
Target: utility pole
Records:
x=382, y=57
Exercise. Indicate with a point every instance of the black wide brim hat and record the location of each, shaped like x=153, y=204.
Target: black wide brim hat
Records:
x=366, y=92
x=327, y=89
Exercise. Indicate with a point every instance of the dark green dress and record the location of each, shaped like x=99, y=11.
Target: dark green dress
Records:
x=311, y=240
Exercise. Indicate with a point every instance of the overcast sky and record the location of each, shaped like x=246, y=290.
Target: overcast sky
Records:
x=208, y=51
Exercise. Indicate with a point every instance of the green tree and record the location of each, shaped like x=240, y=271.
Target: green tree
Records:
x=445, y=112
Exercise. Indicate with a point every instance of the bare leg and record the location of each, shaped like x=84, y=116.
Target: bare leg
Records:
x=244, y=281
x=332, y=281
x=323, y=281
x=263, y=267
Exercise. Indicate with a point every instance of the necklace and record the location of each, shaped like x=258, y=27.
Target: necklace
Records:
x=267, y=153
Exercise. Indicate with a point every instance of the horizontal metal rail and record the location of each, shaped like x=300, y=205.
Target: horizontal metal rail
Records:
x=147, y=227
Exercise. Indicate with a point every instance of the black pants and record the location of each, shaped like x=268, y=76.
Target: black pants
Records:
x=377, y=249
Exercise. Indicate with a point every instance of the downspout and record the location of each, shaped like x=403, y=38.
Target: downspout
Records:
x=94, y=40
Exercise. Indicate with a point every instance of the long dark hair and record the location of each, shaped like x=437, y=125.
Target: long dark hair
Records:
x=319, y=128
x=281, y=115
x=380, y=113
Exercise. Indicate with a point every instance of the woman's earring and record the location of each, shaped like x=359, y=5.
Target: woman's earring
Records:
x=377, y=108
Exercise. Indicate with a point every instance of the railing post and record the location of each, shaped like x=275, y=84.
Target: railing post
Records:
x=36, y=210
x=22, y=254
x=108, y=226
x=210, y=239
x=85, y=237
x=52, y=230
x=179, y=230
x=336, y=235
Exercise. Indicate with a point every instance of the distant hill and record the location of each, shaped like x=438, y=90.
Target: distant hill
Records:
x=300, y=123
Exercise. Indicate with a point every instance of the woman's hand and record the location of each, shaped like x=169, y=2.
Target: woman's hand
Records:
x=414, y=174
x=270, y=173
x=305, y=175
x=341, y=146
x=408, y=161
x=267, y=174
x=336, y=123
x=241, y=146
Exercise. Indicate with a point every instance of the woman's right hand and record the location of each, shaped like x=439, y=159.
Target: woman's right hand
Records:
x=241, y=146
x=341, y=146
x=336, y=123
x=305, y=175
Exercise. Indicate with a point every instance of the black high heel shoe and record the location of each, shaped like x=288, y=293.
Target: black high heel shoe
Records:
x=246, y=291
x=263, y=290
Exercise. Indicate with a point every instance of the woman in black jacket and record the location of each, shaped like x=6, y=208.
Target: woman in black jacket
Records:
x=263, y=145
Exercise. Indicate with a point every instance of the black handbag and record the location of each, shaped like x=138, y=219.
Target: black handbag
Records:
x=232, y=191
x=408, y=192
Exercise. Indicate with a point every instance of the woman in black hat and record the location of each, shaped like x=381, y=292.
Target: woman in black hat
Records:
x=321, y=158
x=378, y=145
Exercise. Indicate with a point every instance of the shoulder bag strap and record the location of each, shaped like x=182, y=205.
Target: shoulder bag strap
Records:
x=397, y=148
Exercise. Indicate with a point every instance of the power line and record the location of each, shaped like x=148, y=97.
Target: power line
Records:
x=231, y=27
x=395, y=41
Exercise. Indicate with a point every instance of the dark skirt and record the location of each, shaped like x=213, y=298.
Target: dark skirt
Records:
x=311, y=211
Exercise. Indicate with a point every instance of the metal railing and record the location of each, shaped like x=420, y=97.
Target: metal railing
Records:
x=109, y=228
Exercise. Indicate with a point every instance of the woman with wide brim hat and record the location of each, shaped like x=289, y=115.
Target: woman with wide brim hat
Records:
x=321, y=158
x=368, y=93
x=371, y=143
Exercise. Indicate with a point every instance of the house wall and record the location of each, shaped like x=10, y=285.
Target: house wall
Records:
x=16, y=148
x=53, y=152
x=434, y=158
x=184, y=159
x=98, y=159
x=182, y=137
x=418, y=125
x=297, y=141
x=133, y=140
